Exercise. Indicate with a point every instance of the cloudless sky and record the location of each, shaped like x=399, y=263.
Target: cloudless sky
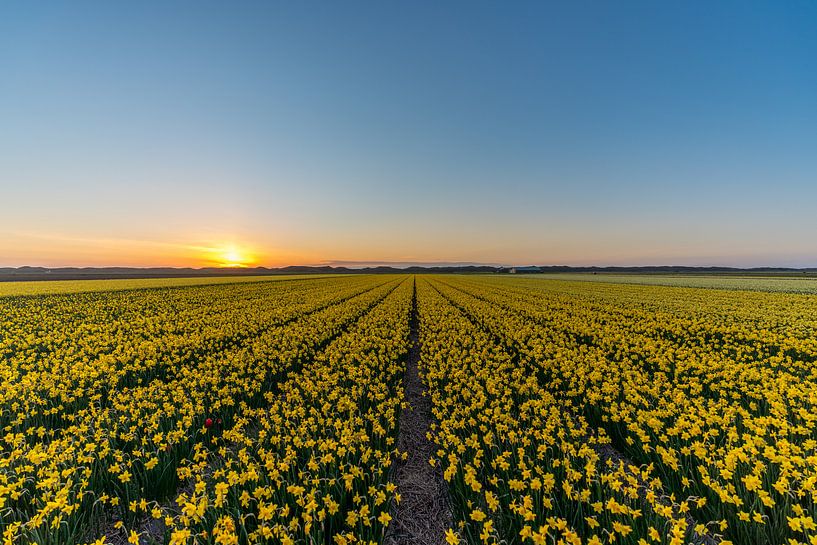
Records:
x=170, y=133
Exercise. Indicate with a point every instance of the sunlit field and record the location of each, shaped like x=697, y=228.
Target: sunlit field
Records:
x=79, y=286
x=782, y=283
x=269, y=410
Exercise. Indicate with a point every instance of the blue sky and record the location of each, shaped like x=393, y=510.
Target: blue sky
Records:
x=303, y=132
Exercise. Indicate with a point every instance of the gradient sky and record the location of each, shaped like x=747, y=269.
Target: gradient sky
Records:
x=165, y=133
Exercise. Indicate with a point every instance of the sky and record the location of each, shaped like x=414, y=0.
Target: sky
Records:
x=274, y=133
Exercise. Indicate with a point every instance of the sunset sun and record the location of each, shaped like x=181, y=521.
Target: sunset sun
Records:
x=233, y=256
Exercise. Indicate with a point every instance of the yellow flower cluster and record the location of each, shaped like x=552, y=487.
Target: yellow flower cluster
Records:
x=564, y=413
x=311, y=465
x=520, y=466
x=709, y=394
x=109, y=397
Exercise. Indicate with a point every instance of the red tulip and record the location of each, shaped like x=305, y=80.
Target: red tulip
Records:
x=208, y=423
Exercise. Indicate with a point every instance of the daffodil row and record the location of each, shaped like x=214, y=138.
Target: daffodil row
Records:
x=714, y=390
x=62, y=352
x=312, y=464
x=111, y=458
x=521, y=467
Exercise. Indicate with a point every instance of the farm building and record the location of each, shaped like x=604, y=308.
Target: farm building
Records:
x=520, y=270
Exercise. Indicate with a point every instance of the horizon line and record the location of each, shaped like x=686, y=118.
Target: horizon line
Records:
x=360, y=265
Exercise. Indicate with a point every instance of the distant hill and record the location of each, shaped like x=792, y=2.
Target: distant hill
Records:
x=673, y=269
x=98, y=273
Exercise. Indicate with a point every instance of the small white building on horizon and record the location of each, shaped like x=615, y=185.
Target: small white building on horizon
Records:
x=520, y=270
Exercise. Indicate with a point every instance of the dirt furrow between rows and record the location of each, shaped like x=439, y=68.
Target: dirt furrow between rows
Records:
x=423, y=513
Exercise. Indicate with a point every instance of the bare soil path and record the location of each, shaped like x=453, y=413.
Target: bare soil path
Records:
x=424, y=512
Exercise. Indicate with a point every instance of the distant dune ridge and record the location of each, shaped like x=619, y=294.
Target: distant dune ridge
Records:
x=98, y=273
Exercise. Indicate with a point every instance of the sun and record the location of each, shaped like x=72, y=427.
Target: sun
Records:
x=233, y=256
x=228, y=255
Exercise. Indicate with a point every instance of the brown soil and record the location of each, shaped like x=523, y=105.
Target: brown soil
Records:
x=424, y=512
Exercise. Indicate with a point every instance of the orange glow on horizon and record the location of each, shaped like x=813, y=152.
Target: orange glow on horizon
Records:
x=234, y=256
x=220, y=247
x=44, y=249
